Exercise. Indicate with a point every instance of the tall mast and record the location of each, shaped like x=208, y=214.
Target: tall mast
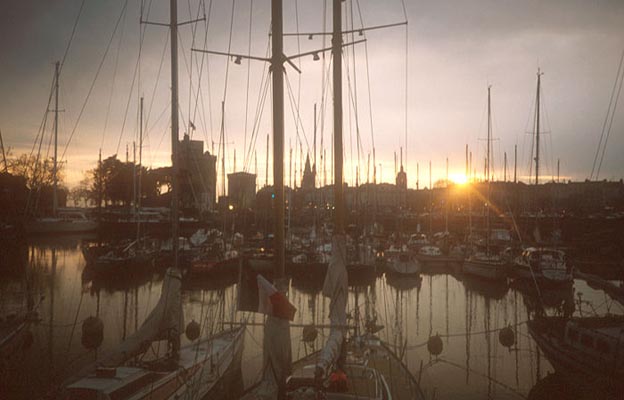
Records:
x=277, y=59
x=139, y=192
x=446, y=213
x=55, y=166
x=537, y=126
x=489, y=137
x=337, y=88
x=430, y=198
x=487, y=166
x=266, y=176
x=4, y=160
x=515, y=163
x=314, y=165
x=173, y=28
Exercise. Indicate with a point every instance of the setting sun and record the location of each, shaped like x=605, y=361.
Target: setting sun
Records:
x=459, y=179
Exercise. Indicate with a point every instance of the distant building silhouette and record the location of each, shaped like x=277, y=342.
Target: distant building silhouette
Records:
x=241, y=190
x=198, y=175
x=309, y=175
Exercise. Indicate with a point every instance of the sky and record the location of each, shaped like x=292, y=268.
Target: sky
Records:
x=452, y=50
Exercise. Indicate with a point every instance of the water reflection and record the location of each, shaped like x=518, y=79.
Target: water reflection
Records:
x=466, y=313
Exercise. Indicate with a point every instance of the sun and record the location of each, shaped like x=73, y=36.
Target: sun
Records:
x=459, y=179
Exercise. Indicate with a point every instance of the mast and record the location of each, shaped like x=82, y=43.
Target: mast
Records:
x=515, y=163
x=139, y=192
x=138, y=205
x=505, y=167
x=430, y=198
x=487, y=165
x=4, y=160
x=173, y=28
x=417, y=176
x=277, y=59
x=55, y=166
x=537, y=126
x=266, y=176
x=337, y=88
x=446, y=208
x=489, y=137
x=314, y=166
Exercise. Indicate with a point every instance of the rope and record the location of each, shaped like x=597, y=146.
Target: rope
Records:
x=97, y=73
x=604, y=124
x=71, y=37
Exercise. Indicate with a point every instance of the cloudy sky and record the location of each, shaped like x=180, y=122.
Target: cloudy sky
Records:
x=454, y=50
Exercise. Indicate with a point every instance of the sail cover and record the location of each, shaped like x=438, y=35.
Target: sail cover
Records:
x=335, y=287
x=165, y=322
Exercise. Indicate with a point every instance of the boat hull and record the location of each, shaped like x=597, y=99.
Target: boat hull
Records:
x=486, y=270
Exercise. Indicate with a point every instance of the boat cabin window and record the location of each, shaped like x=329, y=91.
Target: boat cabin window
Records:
x=602, y=346
x=587, y=341
x=573, y=335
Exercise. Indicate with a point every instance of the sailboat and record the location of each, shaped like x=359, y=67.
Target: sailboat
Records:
x=357, y=363
x=67, y=221
x=483, y=263
x=542, y=265
x=195, y=370
x=125, y=257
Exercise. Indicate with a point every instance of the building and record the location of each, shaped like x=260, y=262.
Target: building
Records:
x=198, y=175
x=309, y=175
x=241, y=190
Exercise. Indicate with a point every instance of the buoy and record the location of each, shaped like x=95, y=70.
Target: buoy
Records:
x=507, y=337
x=435, y=345
x=309, y=333
x=92, y=333
x=192, y=330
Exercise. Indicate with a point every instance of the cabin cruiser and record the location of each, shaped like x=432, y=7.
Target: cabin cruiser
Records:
x=586, y=351
x=543, y=265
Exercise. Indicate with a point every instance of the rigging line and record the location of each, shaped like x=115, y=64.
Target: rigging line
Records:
x=604, y=148
x=295, y=112
x=299, y=65
x=248, y=73
x=71, y=36
x=193, y=35
x=262, y=96
x=200, y=96
x=406, y=74
x=370, y=104
x=130, y=92
x=227, y=59
x=110, y=97
x=162, y=59
x=609, y=110
x=97, y=73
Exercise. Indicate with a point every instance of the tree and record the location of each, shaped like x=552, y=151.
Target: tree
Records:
x=38, y=172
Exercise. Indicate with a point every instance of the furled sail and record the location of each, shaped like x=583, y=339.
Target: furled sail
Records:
x=335, y=287
x=165, y=322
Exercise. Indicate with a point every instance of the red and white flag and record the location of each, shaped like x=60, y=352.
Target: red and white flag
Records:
x=273, y=302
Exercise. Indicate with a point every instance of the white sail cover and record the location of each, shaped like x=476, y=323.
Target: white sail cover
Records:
x=335, y=287
x=277, y=354
x=166, y=321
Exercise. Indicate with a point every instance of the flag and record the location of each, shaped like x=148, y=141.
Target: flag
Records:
x=257, y=294
x=273, y=302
